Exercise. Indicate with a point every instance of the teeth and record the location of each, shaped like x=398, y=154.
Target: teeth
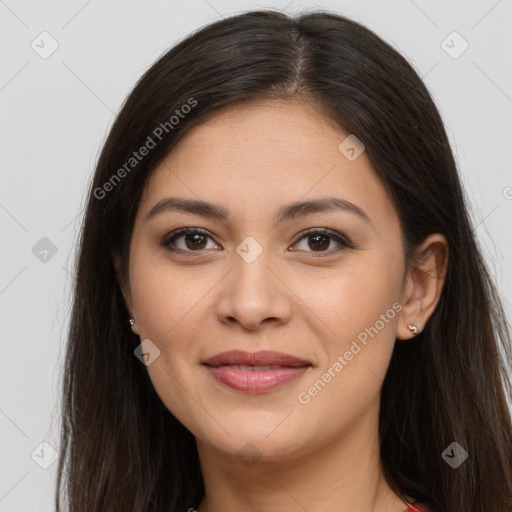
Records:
x=255, y=368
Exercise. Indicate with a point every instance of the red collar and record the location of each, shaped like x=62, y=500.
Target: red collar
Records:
x=416, y=508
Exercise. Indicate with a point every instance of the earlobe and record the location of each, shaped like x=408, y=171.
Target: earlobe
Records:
x=134, y=327
x=424, y=285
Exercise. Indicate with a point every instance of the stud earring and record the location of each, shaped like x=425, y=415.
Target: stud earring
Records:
x=132, y=321
x=413, y=328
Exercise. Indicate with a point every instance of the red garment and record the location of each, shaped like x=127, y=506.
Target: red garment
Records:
x=416, y=508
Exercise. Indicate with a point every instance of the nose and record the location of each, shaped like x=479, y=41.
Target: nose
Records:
x=253, y=295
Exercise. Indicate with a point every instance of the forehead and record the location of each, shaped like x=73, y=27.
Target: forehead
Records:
x=262, y=154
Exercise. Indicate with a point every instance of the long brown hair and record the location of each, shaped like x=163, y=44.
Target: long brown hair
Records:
x=121, y=449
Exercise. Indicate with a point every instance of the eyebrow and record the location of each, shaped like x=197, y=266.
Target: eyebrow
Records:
x=286, y=212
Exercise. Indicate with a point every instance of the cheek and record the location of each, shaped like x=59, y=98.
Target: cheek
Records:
x=167, y=303
x=354, y=359
x=164, y=296
x=353, y=298
x=361, y=309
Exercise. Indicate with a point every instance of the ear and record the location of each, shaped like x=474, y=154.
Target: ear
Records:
x=423, y=284
x=124, y=286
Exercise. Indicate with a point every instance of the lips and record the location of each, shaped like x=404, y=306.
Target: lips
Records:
x=255, y=372
x=268, y=359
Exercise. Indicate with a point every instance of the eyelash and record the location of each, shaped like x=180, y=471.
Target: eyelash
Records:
x=340, y=239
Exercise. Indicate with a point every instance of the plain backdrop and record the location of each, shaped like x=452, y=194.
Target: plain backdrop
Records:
x=55, y=111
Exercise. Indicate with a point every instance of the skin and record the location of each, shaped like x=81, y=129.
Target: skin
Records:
x=311, y=303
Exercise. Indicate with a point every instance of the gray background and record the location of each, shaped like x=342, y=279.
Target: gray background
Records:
x=55, y=113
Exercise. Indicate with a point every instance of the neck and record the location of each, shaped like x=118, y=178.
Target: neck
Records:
x=343, y=474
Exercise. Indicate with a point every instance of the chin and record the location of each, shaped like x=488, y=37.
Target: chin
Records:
x=254, y=442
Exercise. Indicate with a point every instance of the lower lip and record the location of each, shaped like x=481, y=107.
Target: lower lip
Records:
x=255, y=381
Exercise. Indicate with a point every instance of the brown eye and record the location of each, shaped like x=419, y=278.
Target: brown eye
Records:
x=320, y=241
x=194, y=240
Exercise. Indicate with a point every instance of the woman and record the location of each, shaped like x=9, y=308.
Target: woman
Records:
x=276, y=213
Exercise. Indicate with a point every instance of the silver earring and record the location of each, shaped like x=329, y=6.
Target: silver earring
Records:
x=132, y=321
x=413, y=328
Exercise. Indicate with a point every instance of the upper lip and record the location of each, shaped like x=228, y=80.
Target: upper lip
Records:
x=261, y=358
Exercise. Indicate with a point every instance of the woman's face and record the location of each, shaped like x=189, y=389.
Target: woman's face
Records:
x=247, y=282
